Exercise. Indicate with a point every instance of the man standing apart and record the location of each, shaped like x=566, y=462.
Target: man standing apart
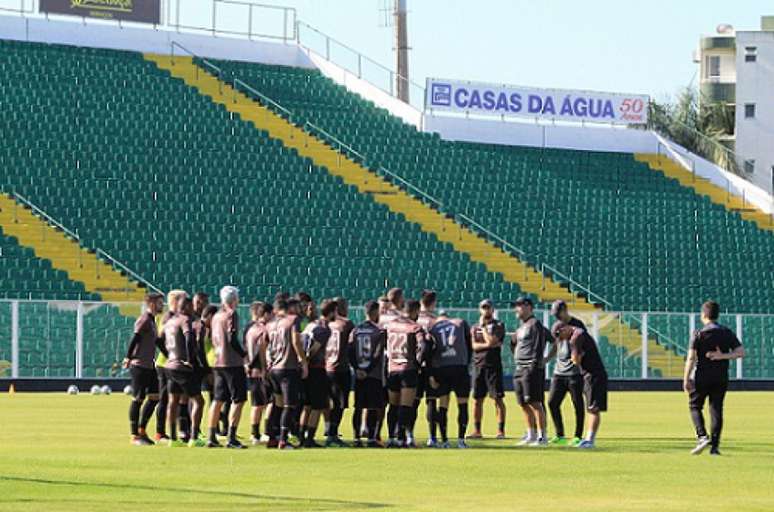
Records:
x=706, y=374
x=487, y=336
x=528, y=344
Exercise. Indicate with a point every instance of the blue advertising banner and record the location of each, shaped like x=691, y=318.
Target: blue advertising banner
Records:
x=478, y=98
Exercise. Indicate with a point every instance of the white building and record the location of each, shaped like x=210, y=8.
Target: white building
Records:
x=737, y=67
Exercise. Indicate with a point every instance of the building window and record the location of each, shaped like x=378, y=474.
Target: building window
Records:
x=749, y=110
x=749, y=166
x=750, y=53
x=713, y=66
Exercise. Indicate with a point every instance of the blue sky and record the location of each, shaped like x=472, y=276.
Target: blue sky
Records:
x=626, y=46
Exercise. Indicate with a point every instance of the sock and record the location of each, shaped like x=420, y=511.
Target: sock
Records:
x=501, y=426
x=443, y=417
x=392, y=421
x=462, y=420
x=328, y=427
x=161, y=416
x=411, y=412
x=357, y=423
x=224, y=416
x=414, y=414
x=380, y=413
x=531, y=434
x=173, y=433
x=232, y=431
x=196, y=430
x=256, y=428
x=336, y=414
x=134, y=416
x=478, y=426
x=400, y=428
x=213, y=434
x=371, y=420
x=147, y=412
x=540, y=434
x=274, y=420
x=184, y=420
x=310, y=433
x=591, y=436
x=432, y=418
x=285, y=418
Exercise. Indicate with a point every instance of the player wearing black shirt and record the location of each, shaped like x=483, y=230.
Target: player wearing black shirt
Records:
x=706, y=374
x=566, y=379
x=487, y=337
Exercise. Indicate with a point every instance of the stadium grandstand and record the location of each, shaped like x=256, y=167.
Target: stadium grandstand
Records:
x=178, y=162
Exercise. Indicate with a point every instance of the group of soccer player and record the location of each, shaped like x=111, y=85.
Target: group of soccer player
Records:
x=300, y=360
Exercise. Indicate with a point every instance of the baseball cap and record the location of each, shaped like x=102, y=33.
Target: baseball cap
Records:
x=557, y=306
x=521, y=301
x=486, y=303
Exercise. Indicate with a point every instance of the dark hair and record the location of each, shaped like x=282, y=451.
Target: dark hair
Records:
x=328, y=306
x=281, y=296
x=711, y=309
x=371, y=306
x=428, y=298
x=341, y=305
x=186, y=303
x=281, y=304
x=210, y=310
x=303, y=297
x=394, y=294
x=153, y=297
x=412, y=306
x=259, y=308
x=201, y=295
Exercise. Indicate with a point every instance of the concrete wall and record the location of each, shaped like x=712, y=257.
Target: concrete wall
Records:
x=146, y=39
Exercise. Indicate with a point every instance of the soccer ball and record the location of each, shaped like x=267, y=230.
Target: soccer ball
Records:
x=106, y=390
x=128, y=390
x=72, y=389
x=95, y=390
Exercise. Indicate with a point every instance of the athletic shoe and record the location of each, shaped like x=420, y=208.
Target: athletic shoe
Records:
x=432, y=443
x=294, y=439
x=264, y=438
x=311, y=443
x=235, y=444
x=141, y=441
x=177, y=443
x=393, y=443
x=197, y=443
x=500, y=435
x=161, y=437
x=284, y=445
x=409, y=444
x=445, y=445
x=558, y=441
x=461, y=444
x=357, y=443
x=272, y=443
x=213, y=444
x=575, y=442
x=335, y=442
x=475, y=435
x=526, y=440
x=714, y=451
x=586, y=445
x=255, y=440
x=701, y=445
x=538, y=443
x=374, y=443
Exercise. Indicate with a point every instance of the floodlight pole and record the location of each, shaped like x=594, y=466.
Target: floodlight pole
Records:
x=401, y=51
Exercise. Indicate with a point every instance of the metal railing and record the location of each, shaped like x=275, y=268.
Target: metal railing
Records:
x=248, y=13
x=103, y=255
x=314, y=40
x=84, y=339
x=9, y=6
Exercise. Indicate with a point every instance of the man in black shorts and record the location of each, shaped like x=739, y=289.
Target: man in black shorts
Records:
x=139, y=360
x=287, y=360
x=181, y=367
x=230, y=377
x=174, y=297
x=255, y=344
x=428, y=302
x=566, y=379
x=487, y=336
x=528, y=344
x=366, y=355
x=315, y=338
x=585, y=355
x=339, y=374
x=448, y=365
x=706, y=374
x=405, y=339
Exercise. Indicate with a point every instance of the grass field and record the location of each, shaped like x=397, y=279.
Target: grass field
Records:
x=72, y=453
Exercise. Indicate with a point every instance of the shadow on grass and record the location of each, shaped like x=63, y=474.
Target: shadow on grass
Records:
x=283, y=501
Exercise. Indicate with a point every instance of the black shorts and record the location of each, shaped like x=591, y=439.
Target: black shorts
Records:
x=369, y=394
x=144, y=382
x=452, y=378
x=230, y=384
x=183, y=382
x=316, y=392
x=340, y=384
x=402, y=380
x=423, y=385
x=489, y=381
x=161, y=372
x=257, y=390
x=529, y=386
x=207, y=380
x=288, y=384
x=595, y=392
